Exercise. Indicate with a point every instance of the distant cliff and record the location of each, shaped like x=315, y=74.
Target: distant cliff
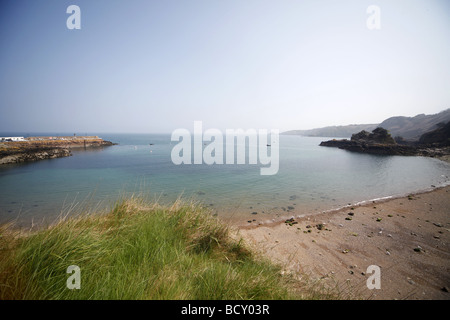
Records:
x=411, y=128
x=402, y=128
x=333, y=131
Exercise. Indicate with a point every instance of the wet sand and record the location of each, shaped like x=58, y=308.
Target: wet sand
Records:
x=408, y=238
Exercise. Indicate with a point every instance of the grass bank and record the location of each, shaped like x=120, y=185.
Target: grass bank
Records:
x=141, y=251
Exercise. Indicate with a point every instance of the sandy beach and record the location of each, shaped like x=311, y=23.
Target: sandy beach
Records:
x=408, y=238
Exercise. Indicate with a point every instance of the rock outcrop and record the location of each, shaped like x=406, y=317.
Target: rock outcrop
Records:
x=378, y=136
x=39, y=148
x=381, y=142
x=372, y=148
x=35, y=155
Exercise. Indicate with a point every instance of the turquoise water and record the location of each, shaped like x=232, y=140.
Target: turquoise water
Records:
x=310, y=179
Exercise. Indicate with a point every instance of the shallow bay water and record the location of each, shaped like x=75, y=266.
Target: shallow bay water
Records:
x=310, y=179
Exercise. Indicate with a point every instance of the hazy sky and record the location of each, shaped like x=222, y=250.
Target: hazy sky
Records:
x=158, y=65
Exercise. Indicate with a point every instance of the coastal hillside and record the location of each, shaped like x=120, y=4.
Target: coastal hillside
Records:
x=409, y=128
x=439, y=136
x=333, y=131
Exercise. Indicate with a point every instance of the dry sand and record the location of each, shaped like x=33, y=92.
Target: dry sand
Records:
x=408, y=238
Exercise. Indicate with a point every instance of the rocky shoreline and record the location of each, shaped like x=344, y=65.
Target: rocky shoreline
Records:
x=35, y=149
x=35, y=155
x=388, y=149
x=434, y=144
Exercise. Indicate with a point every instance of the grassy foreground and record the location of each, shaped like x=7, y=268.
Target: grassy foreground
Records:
x=140, y=252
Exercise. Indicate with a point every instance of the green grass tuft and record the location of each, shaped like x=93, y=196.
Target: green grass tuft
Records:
x=138, y=251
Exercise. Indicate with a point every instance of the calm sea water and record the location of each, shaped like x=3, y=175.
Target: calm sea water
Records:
x=310, y=179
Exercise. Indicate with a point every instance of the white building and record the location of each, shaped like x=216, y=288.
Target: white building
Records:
x=2, y=139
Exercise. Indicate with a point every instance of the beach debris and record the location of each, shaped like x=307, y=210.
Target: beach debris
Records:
x=348, y=218
x=418, y=249
x=379, y=219
x=320, y=226
x=254, y=212
x=351, y=213
x=345, y=251
x=437, y=224
x=291, y=222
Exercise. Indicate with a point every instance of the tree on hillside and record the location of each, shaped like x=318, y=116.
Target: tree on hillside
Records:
x=378, y=135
